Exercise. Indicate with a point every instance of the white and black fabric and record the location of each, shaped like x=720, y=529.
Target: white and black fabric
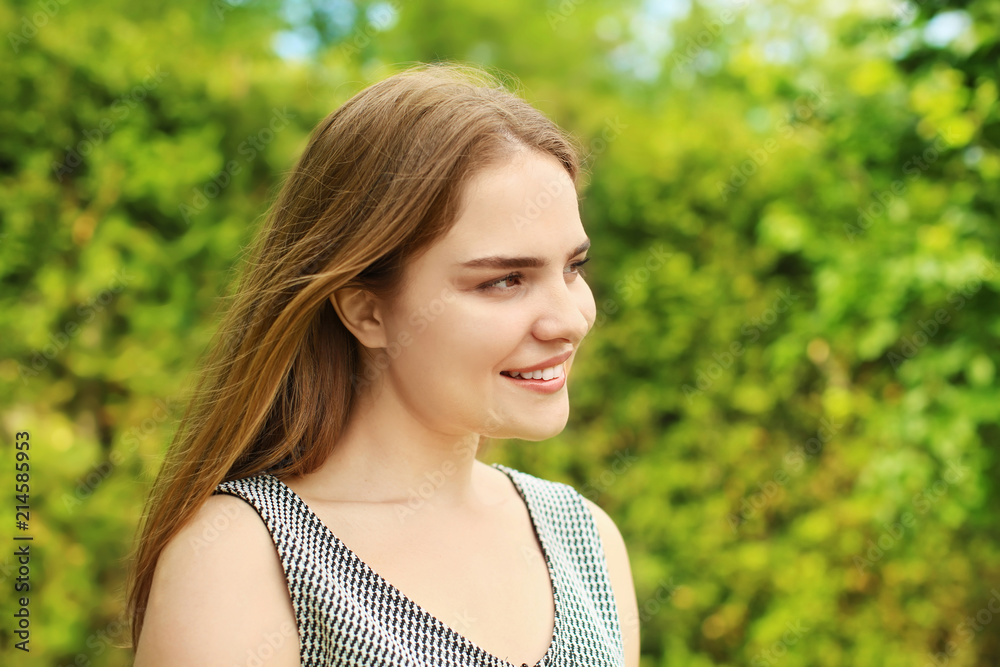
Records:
x=348, y=615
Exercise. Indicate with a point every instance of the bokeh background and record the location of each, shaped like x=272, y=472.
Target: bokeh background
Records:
x=789, y=403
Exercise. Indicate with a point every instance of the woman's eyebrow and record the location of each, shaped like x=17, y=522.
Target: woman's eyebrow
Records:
x=498, y=262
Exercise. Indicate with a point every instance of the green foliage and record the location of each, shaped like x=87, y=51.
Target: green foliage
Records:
x=788, y=403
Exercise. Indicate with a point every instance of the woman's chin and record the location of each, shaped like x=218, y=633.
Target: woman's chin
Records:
x=535, y=431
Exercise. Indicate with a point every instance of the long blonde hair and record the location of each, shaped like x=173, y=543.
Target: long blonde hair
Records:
x=378, y=182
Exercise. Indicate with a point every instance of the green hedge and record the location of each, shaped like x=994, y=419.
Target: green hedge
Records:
x=789, y=401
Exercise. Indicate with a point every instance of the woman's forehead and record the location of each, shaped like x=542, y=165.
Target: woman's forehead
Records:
x=519, y=205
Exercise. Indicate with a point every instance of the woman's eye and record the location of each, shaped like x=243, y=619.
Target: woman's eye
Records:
x=512, y=280
x=577, y=267
x=498, y=284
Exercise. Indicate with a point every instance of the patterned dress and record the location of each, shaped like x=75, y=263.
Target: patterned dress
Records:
x=348, y=615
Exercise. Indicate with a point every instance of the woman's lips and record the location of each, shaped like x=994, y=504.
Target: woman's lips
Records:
x=539, y=386
x=557, y=360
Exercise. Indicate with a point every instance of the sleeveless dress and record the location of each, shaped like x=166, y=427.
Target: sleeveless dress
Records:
x=348, y=615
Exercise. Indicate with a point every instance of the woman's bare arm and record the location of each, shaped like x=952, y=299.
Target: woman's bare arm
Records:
x=620, y=572
x=219, y=595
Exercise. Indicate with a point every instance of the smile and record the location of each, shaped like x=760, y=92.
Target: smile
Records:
x=553, y=372
x=545, y=381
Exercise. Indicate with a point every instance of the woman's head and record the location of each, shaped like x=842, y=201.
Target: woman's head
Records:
x=499, y=293
x=383, y=174
x=381, y=181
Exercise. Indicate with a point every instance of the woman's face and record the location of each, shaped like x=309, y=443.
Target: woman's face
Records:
x=500, y=292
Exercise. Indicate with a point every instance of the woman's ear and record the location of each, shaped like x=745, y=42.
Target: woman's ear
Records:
x=361, y=313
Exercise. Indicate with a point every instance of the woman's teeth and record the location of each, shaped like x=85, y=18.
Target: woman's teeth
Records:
x=544, y=374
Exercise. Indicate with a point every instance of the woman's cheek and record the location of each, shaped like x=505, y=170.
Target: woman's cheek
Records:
x=588, y=306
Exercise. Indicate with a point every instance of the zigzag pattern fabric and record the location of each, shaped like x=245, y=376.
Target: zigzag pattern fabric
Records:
x=349, y=616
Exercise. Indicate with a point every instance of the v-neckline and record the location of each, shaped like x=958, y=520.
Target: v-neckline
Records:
x=466, y=642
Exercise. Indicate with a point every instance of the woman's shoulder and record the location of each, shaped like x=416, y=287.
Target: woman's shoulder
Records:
x=218, y=591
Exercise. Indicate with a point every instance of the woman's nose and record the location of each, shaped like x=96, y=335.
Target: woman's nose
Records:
x=566, y=312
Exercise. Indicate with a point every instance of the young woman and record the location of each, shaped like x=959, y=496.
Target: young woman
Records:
x=417, y=287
